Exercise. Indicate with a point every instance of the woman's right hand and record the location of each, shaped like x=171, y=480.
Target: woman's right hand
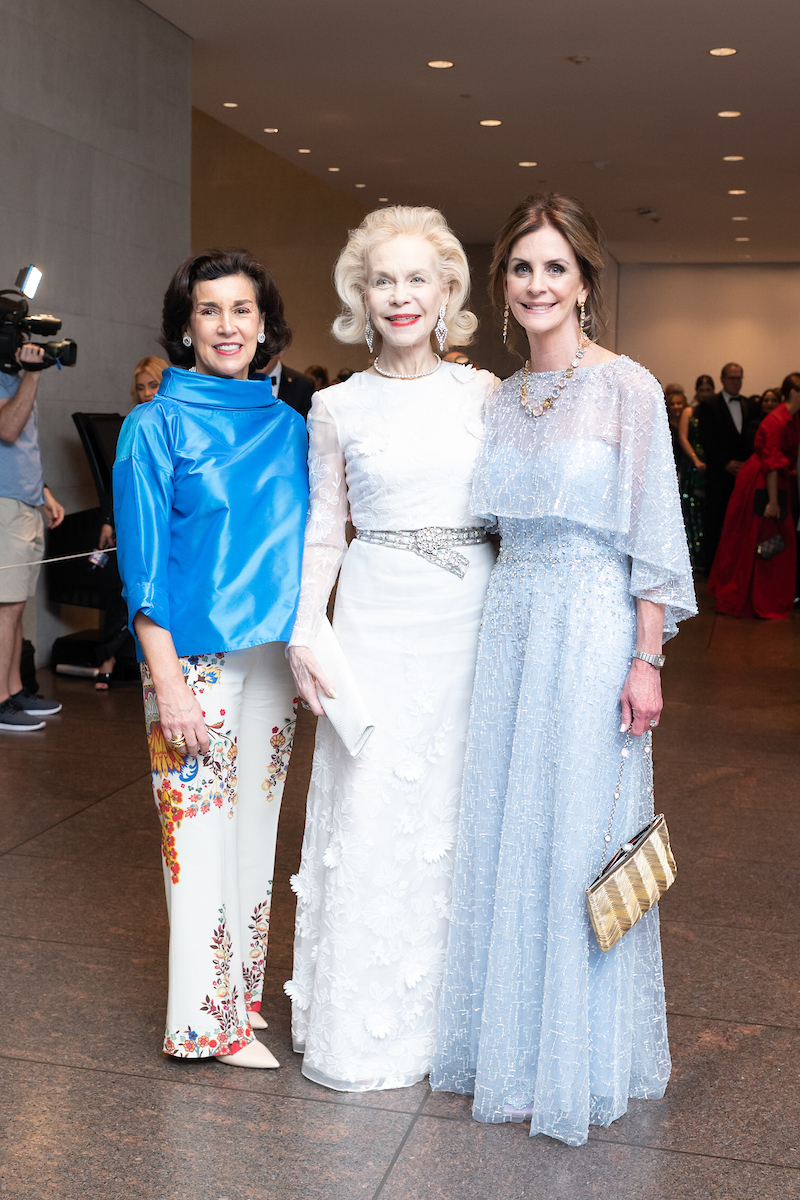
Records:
x=180, y=713
x=310, y=679
x=773, y=510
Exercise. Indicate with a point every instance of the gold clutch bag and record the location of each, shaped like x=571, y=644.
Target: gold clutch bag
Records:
x=635, y=879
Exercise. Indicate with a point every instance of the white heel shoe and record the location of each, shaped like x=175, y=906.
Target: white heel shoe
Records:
x=251, y=1055
x=256, y=1020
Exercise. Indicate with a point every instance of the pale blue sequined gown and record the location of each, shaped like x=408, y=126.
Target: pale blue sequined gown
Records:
x=535, y=1020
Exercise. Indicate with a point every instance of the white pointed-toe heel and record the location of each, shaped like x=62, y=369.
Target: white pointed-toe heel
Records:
x=256, y=1020
x=251, y=1055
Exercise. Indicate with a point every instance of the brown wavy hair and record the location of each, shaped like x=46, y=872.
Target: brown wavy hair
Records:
x=216, y=264
x=572, y=219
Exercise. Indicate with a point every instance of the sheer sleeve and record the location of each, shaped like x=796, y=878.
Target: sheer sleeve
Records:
x=655, y=537
x=325, y=540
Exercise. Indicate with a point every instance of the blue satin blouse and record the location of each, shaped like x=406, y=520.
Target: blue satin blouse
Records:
x=210, y=498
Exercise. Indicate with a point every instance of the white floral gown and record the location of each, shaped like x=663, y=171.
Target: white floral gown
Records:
x=373, y=890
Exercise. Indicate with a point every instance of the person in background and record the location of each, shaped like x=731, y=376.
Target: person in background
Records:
x=743, y=583
x=210, y=496
x=459, y=357
x=764, y=404
x=23, y=498
x=144, y=385
x=320, y=377
x=692, y=483
x=722, y=430
x=703, y=390
x=676, y=403
x=294, y=388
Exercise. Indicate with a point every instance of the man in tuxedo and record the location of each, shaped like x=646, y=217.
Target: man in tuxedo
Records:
x=294, y=388
x=722, y=432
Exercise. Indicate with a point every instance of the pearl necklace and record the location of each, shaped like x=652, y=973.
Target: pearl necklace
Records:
x=419, y=375
x=536, y=408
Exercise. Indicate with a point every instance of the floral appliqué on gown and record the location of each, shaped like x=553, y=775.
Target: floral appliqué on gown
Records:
x=373, y=889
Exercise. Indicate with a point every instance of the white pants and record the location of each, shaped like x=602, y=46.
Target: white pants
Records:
x=219, y=823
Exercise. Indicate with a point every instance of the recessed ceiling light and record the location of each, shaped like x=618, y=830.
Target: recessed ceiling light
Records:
x=736, y=192
x=270, y=129
x=527, y=164
x=491, y=123
x=440, y=64
x=740, y=218
x=742, y=239
x=361, y=185
x=333, y=168
x=383, y=199
x=733, y=158
x=303, y=151
x=723, y=52
x=729, y=112
x=229, y=104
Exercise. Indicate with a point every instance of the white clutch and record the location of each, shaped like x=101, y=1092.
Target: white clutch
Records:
x=347, y=713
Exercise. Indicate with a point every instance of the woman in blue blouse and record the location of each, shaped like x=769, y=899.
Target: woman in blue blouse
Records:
x=210, y=489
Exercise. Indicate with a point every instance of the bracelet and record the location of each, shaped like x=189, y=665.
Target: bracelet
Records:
x=655, y=660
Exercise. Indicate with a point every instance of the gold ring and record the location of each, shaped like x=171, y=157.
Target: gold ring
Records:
x=180, y=740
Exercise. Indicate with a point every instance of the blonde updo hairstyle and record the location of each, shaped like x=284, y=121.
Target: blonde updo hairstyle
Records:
x=572, y=219
x=351, y=273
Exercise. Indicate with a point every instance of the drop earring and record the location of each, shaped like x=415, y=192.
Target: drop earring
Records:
x=441, y=329
x=505, y=325
x=187, y=341
x=262, y=337
x=369, y=334
x=582, y=306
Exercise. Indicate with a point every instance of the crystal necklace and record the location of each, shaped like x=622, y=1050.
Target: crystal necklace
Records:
x=419, y=375
x=535, y=408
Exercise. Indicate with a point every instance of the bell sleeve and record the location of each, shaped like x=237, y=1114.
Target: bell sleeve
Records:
x=143, y=496
x=769, y=446
x=649, y=504
x=325, y=539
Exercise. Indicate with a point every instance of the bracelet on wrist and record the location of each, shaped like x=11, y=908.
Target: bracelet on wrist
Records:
x=655, y=660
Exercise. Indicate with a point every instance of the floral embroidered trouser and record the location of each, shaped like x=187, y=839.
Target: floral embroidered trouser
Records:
x=219, y=822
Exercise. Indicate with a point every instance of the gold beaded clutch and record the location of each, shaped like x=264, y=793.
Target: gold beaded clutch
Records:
x=638, y=875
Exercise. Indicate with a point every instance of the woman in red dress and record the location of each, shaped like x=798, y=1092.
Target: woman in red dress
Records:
x=742, y=583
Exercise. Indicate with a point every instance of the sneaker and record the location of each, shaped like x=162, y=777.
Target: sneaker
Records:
x=13, y=716
x=37, y=706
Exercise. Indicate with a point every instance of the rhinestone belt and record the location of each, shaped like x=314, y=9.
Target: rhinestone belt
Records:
x=433, y=543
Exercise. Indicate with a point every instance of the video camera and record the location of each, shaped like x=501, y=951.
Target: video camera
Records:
x=16, y=327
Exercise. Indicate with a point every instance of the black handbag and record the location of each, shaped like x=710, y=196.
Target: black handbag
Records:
x=761, y=500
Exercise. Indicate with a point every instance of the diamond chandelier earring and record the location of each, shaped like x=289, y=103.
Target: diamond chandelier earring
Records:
x=582, y=307
x=505, y=325
x=187, y=341
x=441, y=329
x=369, y=334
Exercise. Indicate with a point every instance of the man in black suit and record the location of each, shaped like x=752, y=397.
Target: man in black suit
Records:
x=722, y=432
x=294, y=388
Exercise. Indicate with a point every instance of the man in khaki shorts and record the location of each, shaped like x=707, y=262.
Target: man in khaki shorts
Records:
x=23, y=496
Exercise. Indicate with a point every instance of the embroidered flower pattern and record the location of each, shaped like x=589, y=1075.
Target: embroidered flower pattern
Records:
x=281, y=741
x=228, y=1034
x=253, y=970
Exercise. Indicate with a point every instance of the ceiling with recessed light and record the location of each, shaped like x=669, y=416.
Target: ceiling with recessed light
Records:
x=621, y=103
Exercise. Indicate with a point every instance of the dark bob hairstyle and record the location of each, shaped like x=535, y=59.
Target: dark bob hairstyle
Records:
x=216, y=264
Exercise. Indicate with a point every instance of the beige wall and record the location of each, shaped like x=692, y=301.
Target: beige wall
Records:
x=244, y=195
x=681, y=321
x=95, y=108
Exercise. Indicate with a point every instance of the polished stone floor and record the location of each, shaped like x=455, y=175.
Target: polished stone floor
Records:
x=90, y=1107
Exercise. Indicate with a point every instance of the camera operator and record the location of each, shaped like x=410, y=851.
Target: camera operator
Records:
x=22, y=497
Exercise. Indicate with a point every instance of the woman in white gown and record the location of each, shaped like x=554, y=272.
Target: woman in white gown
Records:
x=393, y=449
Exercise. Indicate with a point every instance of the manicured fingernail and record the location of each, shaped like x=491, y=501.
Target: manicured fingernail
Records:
x=332, y=694
x=623, y=728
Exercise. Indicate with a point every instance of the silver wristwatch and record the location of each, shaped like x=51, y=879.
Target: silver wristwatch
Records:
x=655, y=660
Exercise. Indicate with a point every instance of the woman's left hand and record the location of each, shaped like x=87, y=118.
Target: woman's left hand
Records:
x=641, y=700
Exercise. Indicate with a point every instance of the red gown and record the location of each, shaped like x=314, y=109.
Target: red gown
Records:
x=743, y=584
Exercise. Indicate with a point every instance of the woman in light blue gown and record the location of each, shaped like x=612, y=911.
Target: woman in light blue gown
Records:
x=535, y=1021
